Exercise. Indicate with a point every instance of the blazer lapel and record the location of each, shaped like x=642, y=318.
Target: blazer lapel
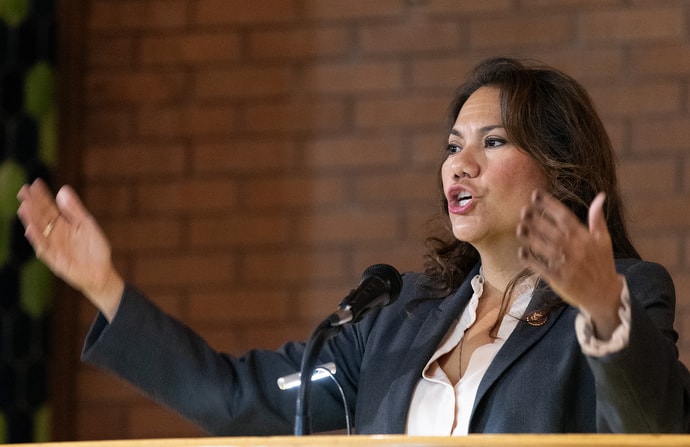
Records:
x=433, y=328
x=523, y=338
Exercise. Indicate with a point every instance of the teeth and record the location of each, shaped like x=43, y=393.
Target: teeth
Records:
x=464, y=198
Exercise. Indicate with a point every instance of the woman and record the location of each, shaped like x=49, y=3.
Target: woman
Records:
x=534, y=314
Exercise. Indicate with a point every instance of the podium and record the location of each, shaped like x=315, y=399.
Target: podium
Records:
x=475, y=440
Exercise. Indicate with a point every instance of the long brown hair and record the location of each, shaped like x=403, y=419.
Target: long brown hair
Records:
x=551, y=117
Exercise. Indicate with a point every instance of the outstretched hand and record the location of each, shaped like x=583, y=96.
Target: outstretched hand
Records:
x=577, y=261
x=68, y=240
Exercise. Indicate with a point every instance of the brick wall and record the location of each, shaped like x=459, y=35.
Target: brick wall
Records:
x=248, y=159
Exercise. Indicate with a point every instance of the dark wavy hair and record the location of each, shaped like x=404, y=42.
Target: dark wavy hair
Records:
x=550, y=116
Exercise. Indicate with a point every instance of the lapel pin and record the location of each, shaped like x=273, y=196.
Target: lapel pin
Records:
x=537, y=318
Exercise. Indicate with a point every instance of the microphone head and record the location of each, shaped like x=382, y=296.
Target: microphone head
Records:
x=380, y=285
x=389, y=275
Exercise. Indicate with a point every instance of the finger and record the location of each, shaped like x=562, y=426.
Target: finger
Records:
x=596, y=218
x=553, y=210
x=535, y=226
x=37, y=206
x=541, y=236
x=71, y=206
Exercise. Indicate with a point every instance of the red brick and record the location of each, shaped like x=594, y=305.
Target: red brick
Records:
x=241, y=306
x=656, y=214
x=111, y=51
x=417, y=37
x=648, y=176
x=637, y=100
x=137, y=14
x=109, y=126
x=588, y=65
x=184, y=269
x=298, y=116
x=150, y=420
x=190, y=48
x=428, y=149
x=446, y=71
x=574, y=4
x=249, y=155
x=664, y=60
x=632, y=25
x=318, y=302
x=299, y=43
x=294, y=192
x=133, y=235
x=96, y=386
x=243, y=82
x=348, y=227
x=233, y=12
x=240, y=230
x=187, y=195
x=661, y=135
x=272, y=337
x=271, y=267
x=403, y=112
x=664, y=249
x=524, y=31
x=395, y=188
x=405, y=257
x=250, y=159
x=188, y=120
x=119, y=88
x=450, y=7
x=348, y=152
x=352, y=9
x=133, y=161
x=104, y=200
x=334, y=78
x=100, y=421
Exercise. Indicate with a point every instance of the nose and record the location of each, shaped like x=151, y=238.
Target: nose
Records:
x=464, y=163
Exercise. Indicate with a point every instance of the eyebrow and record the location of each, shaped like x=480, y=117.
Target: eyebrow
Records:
x=483, y=130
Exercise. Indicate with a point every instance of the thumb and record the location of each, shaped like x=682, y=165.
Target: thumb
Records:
x=70, y=206
x=596, y=218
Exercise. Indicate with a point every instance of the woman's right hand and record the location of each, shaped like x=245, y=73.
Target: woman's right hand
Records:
x=66, y=237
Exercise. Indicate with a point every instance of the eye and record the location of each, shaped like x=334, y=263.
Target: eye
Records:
x=453, y=148
x=494, y=142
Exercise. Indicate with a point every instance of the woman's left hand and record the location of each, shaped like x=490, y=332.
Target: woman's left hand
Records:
x=575, y=260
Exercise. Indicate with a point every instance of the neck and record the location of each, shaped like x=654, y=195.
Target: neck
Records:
x=498, y=270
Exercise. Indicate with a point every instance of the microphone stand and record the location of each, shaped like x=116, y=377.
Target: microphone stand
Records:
x=327, y=329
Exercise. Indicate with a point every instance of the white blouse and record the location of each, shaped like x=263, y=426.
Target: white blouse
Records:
x=439, y=409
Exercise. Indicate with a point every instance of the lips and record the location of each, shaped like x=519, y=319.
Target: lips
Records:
x=460, y=200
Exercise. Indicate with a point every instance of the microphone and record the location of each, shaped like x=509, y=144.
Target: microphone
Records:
x=380, y=285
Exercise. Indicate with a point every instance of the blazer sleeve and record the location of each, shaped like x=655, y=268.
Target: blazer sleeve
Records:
x=224, y=395
x=644, y=387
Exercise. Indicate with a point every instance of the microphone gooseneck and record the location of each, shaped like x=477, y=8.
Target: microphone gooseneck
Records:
x=379, y=286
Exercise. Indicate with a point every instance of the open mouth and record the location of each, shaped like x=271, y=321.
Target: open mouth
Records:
x=464, y=198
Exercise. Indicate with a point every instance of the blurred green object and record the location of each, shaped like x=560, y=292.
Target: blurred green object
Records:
x=12, y=177
x=35, y=295
x=39, y=90
x=42, y=423
x=13, y=12
x=3, y=429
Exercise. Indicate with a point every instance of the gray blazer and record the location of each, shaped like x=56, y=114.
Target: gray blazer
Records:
x=539, y=382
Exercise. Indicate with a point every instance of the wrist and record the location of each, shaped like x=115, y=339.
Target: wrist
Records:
x=107, y=298
x=605, y=313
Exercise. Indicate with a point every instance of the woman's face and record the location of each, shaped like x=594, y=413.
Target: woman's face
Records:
x=486, y=179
